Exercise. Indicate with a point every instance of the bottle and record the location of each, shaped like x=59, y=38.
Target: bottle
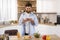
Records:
x=48, y=37
x=6, y=37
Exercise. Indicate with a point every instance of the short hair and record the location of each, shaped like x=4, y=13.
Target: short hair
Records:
x=28, y=4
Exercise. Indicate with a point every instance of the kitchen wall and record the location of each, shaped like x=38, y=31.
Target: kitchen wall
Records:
x=52, y=6
x=58, y=7
x=46, y=6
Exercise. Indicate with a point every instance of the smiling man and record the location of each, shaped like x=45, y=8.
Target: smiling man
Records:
x=28, y=20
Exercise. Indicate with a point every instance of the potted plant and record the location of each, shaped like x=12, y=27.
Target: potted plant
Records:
x=12, y=22
x=36, y=36
x=16, y=21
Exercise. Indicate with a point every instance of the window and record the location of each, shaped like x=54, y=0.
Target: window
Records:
x=8, y=10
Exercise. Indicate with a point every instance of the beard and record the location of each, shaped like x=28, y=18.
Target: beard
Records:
x=28, y=11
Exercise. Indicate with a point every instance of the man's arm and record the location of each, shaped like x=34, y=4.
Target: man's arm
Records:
x=21, y=19
x=35, y=20
x=32, y=21
x=25, y=20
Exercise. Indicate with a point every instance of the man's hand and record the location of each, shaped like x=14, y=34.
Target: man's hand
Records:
x=25, y=20
x=30, y=19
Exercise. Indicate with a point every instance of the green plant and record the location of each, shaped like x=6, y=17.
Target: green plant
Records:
x=11, y=21
x=36, y=35
x=16, y=21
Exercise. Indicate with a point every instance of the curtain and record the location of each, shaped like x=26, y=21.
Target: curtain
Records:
x=8, y=10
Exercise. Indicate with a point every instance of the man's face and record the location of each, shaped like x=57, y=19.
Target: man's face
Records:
x=28, y=9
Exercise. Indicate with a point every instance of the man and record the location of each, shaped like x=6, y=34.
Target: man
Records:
x=28, y=20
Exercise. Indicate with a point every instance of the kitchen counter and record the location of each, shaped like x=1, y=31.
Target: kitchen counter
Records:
x=41, y=28
x=52, y=37
x=1, y=26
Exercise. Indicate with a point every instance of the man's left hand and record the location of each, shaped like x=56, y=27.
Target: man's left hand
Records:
x=30, y=19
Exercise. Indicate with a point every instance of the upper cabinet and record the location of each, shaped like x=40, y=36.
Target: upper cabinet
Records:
x=46, y=6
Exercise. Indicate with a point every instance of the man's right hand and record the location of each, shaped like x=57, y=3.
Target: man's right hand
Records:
x=25, y=20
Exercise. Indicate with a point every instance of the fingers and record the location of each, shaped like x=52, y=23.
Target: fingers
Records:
x=24, y=20
x=27, y=19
